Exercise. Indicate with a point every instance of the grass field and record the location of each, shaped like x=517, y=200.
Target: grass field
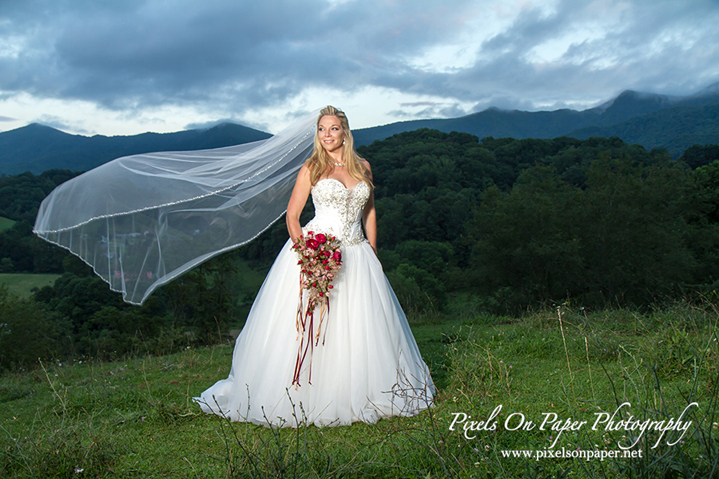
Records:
x=22, y=284
x=5, y=223
x=135, y=418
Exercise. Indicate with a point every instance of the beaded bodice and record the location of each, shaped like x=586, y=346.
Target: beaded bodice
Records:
x=338, y=210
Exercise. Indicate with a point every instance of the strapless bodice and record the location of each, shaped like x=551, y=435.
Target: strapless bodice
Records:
x=338, y=210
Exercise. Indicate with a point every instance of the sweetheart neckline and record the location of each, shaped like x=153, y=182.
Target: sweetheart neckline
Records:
x=338, y=181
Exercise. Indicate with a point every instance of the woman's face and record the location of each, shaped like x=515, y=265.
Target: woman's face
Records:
x=330, y=133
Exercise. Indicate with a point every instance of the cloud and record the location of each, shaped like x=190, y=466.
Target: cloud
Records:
x=418, y=103
x=228, y=59
x=245, y=52
x=428, y=109
x=655, y=46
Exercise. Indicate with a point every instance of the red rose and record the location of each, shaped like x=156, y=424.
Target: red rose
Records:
x=321, y=238
x=337, y=256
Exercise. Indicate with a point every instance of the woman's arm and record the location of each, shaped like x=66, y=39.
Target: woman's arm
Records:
x=369, y=216
x=300, y=193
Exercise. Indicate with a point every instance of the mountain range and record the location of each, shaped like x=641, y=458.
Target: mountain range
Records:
x=649, y=119
x=37, y=148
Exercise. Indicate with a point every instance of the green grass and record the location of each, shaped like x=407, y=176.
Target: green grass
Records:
x=135, y=418
x=22, y=284
x=5, y=223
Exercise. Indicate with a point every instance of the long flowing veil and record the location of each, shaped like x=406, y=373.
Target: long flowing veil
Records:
x=140, y=221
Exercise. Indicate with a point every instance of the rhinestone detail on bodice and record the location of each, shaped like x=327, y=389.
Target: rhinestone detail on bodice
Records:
x=338, y=210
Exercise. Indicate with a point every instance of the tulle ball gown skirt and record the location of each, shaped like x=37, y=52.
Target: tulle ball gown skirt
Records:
x=368, y=366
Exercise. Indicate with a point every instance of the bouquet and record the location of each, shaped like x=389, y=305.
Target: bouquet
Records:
x=320, y=259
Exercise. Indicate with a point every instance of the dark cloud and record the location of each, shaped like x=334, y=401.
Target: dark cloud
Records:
x=247, y=55
x=418, y=103
x=429, y=110
x=253, y=53
x=666, y=47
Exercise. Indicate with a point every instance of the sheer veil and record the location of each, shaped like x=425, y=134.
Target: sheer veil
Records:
x=140, y=221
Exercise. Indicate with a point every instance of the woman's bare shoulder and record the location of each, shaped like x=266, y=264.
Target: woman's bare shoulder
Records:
x=304, y=171
x=303, y=176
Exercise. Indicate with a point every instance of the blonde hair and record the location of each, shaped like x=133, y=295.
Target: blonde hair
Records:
x=321, y=162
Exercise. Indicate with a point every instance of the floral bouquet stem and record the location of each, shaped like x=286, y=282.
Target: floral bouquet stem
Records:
x=320, y=259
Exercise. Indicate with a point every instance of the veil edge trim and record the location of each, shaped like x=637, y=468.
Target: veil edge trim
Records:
x=168, y=277
x=113, y=215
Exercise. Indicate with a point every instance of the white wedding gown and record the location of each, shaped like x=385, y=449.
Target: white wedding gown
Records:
x=369, y=366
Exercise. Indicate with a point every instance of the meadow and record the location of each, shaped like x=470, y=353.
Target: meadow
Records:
x=469, y=230
x=5, y=223
x=560, y=366
x=22, y=284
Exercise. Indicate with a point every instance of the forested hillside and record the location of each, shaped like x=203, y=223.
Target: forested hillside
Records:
x=503, y=224
x=675, y=129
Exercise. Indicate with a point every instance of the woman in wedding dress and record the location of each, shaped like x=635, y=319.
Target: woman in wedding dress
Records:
x=368, y=365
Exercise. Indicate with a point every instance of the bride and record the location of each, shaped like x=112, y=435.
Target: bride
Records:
x=368, y=365
x=143, y=220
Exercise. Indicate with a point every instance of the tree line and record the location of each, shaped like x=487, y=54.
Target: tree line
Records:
x=525, y=222
x=513, y=223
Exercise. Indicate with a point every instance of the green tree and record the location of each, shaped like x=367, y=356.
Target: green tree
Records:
x=633, y=237
x=526, y=239
x=202, y=301
x=27, y=332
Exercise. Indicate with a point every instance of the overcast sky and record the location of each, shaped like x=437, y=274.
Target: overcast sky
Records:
x=129, y=66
